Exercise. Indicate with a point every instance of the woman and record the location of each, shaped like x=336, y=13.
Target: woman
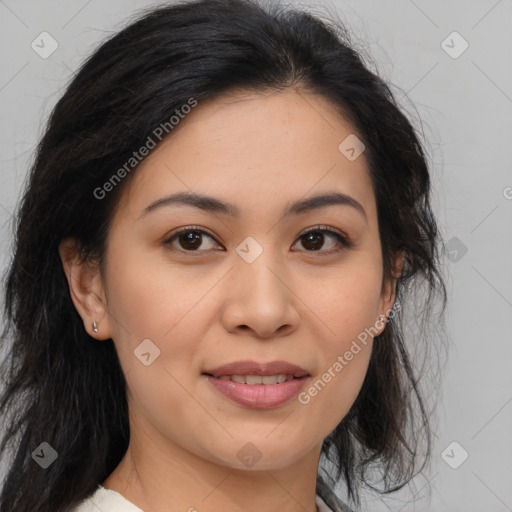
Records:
x=226, y=215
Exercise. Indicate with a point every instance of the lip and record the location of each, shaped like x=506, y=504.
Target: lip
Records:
x=249, y=367
x=258, y=396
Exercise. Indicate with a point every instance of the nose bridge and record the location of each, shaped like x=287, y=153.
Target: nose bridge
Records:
x=257, y=265
x=257, y=295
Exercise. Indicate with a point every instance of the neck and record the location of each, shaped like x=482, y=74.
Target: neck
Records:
x=158, y=479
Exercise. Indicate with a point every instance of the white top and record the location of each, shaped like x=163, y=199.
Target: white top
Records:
x=108, y=500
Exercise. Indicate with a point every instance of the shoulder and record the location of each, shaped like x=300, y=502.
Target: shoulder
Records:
x=106, y=500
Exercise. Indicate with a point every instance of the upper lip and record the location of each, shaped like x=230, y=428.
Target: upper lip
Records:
x=249, y=367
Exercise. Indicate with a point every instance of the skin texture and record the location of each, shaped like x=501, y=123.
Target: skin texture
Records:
x=260, y=151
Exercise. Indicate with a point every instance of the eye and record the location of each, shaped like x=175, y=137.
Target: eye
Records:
x=189, y=239
x=315, y=237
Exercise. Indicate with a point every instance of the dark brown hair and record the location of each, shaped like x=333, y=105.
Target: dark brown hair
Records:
x=64, y=388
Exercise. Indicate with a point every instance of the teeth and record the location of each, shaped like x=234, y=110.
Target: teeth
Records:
x=258, y=379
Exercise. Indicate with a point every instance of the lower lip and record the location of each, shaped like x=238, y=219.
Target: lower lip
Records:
x=259, y=396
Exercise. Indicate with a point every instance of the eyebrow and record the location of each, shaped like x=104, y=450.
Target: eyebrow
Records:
x=212, y=204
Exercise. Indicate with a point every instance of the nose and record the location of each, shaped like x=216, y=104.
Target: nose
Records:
x=260, y=298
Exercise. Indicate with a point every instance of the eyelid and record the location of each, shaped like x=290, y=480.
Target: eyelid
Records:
x=325, y=228
x=184, y=229
x=177, y=231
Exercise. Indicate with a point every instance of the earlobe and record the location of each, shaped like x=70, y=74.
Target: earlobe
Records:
x=86, y=289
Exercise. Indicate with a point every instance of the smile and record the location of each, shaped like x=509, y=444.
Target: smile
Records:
x=256, y=391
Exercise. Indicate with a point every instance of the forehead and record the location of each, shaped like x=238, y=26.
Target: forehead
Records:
x=244, y=146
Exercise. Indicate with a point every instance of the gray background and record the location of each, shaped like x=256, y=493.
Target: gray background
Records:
x=465, y=104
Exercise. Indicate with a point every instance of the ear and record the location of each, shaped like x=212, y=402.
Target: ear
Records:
x=86, y=289
x=388, y=293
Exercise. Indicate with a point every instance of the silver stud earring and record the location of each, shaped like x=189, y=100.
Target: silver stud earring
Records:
x=94, y=327
x=382, y=318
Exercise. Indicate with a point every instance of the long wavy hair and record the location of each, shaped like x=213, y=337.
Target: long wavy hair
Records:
x=63, y=387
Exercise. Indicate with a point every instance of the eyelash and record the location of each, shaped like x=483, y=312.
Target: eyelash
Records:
x=343, y=241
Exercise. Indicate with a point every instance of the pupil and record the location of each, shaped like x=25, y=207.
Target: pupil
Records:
x=192, y=240
x=315, y=236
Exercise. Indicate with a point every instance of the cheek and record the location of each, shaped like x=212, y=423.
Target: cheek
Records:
x=160, y=304
x=348, y=298
x=344, y=361
x=150, y=300
x=151, y=297
x=347, y=307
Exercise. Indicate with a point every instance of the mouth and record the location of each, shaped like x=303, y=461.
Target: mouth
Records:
x=258, y=385
x=252, y=370
x=265, y=380
x=250, y=390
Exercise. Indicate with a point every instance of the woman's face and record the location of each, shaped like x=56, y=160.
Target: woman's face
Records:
x=247, y=284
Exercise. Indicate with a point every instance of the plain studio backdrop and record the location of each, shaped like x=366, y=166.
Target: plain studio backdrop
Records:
x=450, y=64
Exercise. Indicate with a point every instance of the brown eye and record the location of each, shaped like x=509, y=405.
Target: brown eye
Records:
x=189, y=239
x=316, y=238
